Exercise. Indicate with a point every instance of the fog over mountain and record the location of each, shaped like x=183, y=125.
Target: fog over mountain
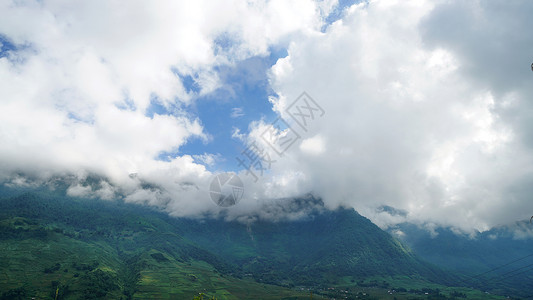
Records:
x=422, y=106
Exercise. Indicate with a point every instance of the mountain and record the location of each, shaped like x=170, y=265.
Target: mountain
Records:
x=91, y=249
x=319, y=248
x=499, y=260
x=58, y=247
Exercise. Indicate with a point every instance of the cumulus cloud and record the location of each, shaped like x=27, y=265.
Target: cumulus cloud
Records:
x=313, y=146
x=426, y=111
x=80, y=82
x=425, y=103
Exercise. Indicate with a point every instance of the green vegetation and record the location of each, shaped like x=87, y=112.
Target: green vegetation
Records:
x=483, y=261
x=56, y=247
x=201, y=297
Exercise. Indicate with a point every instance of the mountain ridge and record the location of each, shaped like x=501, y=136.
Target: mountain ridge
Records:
x=499, y=260
x=132, y=251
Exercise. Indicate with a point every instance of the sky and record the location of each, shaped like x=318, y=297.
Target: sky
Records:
x=423, y=106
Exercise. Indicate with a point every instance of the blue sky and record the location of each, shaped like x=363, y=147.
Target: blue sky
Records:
x=242, y=99
x=246, y=88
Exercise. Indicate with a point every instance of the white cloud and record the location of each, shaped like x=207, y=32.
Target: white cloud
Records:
x=236, y=134
x=207, y=158
x=79, y=191
x=313, y=146
x=237, y=112
x=76, y=95
x=427, y=103
x=422, y=114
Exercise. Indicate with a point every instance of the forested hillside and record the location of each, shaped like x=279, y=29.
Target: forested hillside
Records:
x=53, y=246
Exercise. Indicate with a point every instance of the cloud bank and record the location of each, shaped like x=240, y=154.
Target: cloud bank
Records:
x=427, y=103
x=99, y=89
x=427, y=110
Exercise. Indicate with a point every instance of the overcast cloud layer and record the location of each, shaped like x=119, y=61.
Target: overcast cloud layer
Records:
x=427, y=104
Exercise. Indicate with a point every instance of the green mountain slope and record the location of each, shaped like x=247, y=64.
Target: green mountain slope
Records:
x=57, y=247
x=320, y=248
x=499, y=260
x=88, y=249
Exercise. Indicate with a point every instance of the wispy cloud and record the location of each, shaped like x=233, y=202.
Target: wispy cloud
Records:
x=237, y=112
x=207, y=159
x=236, y=134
